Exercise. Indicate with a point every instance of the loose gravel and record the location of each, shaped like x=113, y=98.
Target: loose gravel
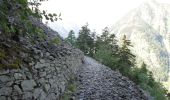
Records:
x=98, y=82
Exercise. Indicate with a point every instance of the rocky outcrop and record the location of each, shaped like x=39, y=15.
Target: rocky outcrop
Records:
x=44, y=72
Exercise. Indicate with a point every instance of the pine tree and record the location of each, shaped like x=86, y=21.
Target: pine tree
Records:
x=84, y=40
x=105, y=34
x=71, y=38
x=93, y=48
x=106, y=48
x=126, y=58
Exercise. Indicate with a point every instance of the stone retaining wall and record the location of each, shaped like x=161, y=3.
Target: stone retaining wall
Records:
x=44, y=74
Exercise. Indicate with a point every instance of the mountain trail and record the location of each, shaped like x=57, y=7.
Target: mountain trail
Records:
x=98, y=82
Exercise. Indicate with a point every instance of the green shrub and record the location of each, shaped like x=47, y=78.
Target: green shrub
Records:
x=145, y=79
x=56, y=41
x=2, y=54
x=15, y=17
x=71, y=88
x=15, y=65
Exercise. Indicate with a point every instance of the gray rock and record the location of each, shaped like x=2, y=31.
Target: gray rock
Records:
x=42, y=74
x=8, y=84
x=36, y=51
x=37, y=92
x=39, y=65
x=28, y=85
x=43, y=96
x=5, y=91
x=17, y=89
x=31, y=64
x=18, y=76
x=36, y=57
x=42, y=61
x=62, y=86
x=52, y=96
x=2, y=98
x=23, y=55
x=9, y=98
x=41, y=81
x=3, y=71
x=27, y=96
x=41, y=54
x=4, y=78
x=47, y=54
x=29, y=75
x=51, y=57
x=47, y=87
x=51, y=81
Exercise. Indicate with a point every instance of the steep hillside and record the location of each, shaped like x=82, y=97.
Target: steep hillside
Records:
x=36, y=69
x=148, y=28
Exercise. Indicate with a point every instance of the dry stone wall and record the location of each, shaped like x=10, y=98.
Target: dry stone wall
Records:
x=44, y=73
x=45, y=70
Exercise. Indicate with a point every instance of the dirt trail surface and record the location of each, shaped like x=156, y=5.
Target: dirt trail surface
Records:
x=98, y=82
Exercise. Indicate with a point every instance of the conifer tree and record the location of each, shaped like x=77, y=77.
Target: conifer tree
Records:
x=126, y=58
x=84, y=40
x=107, y=48
x=105, y=34
x=93, y=48
x=71, y=38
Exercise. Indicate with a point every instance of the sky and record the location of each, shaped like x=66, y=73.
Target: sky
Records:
x=97, y=13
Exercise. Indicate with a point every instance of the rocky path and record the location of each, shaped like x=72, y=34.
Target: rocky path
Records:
x=98, y=82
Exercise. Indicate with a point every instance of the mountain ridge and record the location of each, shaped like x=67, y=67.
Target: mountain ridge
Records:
x=147, y=27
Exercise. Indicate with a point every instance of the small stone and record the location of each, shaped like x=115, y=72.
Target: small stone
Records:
x=18, y=76
x=6, y=91
x=43, y=96
x=47, y=54
x=28, y=85
x=47, y=65
x=36, y=57
x=2, y=98
x=37, y=92
x=51, y=96
x=42, y=74
x=4, y=78
x=47, y=87
x=51, y=81
x=10, y=98
x=27, y=96
x=9, y=83
x=23, y=55
x=42, y=61
x=51, y=57
x=17, y=89
x=38, y=65
x=41, y=54
x=62, y=86
x=41, y=81
x=31, y=64
x=3, y=71
x=29, y=75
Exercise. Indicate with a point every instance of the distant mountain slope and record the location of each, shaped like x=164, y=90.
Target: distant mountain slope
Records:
x=148, y=28
x=63, y=28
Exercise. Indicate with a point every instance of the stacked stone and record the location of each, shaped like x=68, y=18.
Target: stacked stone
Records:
x=43, y=78
x=45, y=71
